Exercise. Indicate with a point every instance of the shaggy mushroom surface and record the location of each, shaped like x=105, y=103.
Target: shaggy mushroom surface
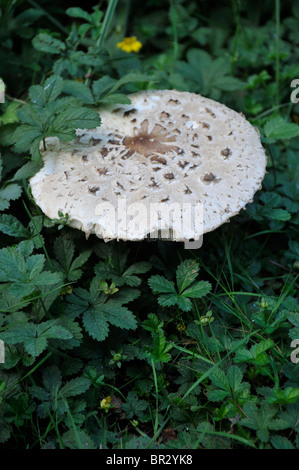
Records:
x=166, y=147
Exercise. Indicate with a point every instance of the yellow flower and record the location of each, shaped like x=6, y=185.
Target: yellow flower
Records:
x=181, y=327
x=129, y=44
x=105, y=403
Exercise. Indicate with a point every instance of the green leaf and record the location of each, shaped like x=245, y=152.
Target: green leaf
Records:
x=184, y=303
x=229, y=385
x=96, y=324
x=161, y=348
x=98, y=312
x=280, y=442
x=65, y=123
x=131, y=77
x=118, y=315
x=186, y=273
x=27, y=171
x=104, y=89
x=126, y=295
x=10, y=115
x=25, y=275
x=134, y=406
x=11, y=192
x=27, y=135
x=278, y=129
x=287, y=418
x=64, y=250
x=279, y=214
x=136, y=268
x=11, y=226
x=219, y=379
x=77, y=12
x=41, y=95
x=161, y=285
x=153, y=323
x=45, y=43
x=259, y=419
x=198, y=289
x=115, y=98
x=79, y=90
x=77, y=439
x=257, y=354
x=75, y=387
x=114, y=269
x=102, y=86
x=286, y=396
x=168, y=300
x=35, y=337
x=206, y=75
x=50, y=116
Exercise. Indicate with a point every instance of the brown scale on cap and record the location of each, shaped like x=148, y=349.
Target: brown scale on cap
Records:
x=147, y=143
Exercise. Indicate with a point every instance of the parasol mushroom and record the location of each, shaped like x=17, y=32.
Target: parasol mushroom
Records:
x=166, y=149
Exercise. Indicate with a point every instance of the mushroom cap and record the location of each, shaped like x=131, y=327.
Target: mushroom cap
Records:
x=166, y=147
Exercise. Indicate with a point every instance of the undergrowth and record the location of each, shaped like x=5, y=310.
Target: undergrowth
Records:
x=148, y=345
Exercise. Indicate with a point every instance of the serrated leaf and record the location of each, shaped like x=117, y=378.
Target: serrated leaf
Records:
x=168, y=300
x=75, y=273
x=102, y=86
x=26, y=171
x=95, y=324
x=35, y=337
x=161, y=285
x=279, y=214
x=65, y=123
x=160, y=350
x=278, y=129
x=186, y=273
x=126, y=295
x=258, y=419
x=184, y=303
x=280, y=442
x=131, y=77
x=79, y=90
x=10, y=193
x=75, y=387
x=51, y=116
x=207, y=75
x=52, y=379
x=11, y=226
x=42, y=95
x=115, y=270
x=115, y=98
x=197, y=290
x=78, y=439
x=77, y=12
x=24, y=275
x=286, y=396
x=45, y=43
x=118, y=315
x=134, y=406
x=50, y=330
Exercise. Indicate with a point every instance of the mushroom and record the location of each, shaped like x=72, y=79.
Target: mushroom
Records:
x=166, y=151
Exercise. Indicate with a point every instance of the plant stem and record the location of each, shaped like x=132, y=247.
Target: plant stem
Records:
x=156, y=424
x=16, y=100
x=277, y=34
x=174, y=32
x=236, y=36
x=105, y=27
